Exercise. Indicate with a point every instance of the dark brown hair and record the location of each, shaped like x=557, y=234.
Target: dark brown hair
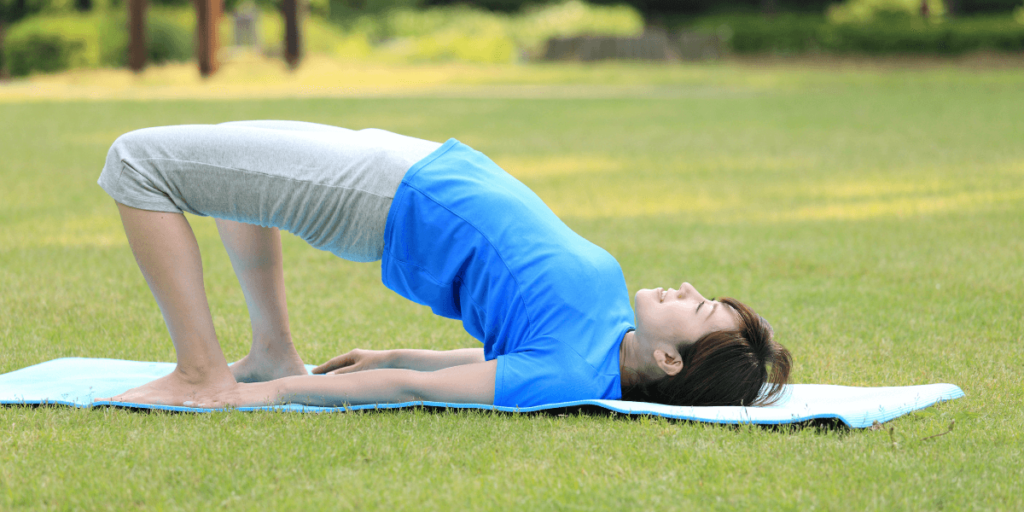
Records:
x=725, y=368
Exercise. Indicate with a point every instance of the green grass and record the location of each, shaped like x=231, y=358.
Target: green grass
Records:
x=875, y=216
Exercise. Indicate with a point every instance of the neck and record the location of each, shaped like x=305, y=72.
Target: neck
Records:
x=629, y=374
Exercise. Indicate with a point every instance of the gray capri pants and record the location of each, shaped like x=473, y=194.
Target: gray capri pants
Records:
x=330, y=186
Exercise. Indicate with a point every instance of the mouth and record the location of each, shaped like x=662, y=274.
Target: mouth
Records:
x=661, y=294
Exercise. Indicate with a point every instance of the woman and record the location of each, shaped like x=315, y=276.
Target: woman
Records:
x=454, y=232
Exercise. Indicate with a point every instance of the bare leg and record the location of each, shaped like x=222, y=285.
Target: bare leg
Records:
x=168, y=256
x=255, y=254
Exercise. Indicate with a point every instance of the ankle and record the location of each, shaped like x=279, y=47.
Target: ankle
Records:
x=200, y=375
x=279, y=347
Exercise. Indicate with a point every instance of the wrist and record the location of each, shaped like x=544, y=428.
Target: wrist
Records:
x=392, y=358
x=261, y=393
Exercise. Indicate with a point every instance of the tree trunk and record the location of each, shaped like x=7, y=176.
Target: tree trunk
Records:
x=952, y=8
x=207, y=18
x=137, y=35
x=292, y=38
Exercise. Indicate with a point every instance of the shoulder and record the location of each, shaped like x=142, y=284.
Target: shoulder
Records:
x=537, y=377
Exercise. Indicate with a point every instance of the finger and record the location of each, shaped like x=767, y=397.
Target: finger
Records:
x=346, y=369
x=323, y=367
x=337, y=362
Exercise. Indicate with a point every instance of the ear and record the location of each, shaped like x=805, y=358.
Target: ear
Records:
x=670, y=363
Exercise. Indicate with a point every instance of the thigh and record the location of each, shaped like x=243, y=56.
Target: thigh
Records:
x=295, y=126
x=327, y=186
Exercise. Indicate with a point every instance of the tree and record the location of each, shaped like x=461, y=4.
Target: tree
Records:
x=137, y=35
x=11, y=12
x=291, y=11
x=207, y=17
x=292, y=38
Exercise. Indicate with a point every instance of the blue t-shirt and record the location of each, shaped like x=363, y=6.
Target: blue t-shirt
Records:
x=473, y=243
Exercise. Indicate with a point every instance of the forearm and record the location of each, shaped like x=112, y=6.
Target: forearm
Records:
x=433, y=360
x=384, y=386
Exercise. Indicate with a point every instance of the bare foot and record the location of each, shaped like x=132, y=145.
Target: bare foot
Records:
x=177, y=389
x=261, y=367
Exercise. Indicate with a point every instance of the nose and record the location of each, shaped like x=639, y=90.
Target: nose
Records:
x=689, y=292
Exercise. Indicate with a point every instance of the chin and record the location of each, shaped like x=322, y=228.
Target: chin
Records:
x=647, y=295
x=642, y=297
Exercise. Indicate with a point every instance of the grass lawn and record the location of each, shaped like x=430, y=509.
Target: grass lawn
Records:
x=874, y=215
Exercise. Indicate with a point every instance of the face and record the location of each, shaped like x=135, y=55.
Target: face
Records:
x=680, y=316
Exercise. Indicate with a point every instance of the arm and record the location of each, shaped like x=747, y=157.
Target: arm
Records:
x=468, y=383
x=432, y=360
x=410, y=359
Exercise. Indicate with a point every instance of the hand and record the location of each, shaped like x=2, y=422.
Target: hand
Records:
x=256, y=394
x=354, y=361
x=239, y=395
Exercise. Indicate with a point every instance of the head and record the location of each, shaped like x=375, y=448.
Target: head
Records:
x=689, y=350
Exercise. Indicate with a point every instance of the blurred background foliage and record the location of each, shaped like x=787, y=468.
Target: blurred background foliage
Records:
x=53, y=35
x=61, y=40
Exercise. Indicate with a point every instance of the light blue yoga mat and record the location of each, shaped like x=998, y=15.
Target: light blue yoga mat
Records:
x=76, y=381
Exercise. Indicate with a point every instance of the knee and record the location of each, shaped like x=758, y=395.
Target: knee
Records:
x=119, y=151
x=110, y=176
x=128, y=144
x=134, y=146
x=130, y=179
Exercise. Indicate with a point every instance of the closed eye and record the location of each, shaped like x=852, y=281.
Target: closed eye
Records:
x=699, y=305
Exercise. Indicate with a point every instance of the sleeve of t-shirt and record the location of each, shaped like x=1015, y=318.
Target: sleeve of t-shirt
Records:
x=534, y=377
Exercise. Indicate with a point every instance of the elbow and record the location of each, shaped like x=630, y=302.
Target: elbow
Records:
x=415, y=387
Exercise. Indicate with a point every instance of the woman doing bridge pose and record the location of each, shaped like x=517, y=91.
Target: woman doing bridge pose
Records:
x=454, y=232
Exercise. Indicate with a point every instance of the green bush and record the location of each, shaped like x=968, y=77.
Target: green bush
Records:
x=796, y=34
x=574, y=18
x=52, y=43
x=781, y=34
x=168, y=37
x=113, y=41
x=41, y=52
x=916, y=36
x=344, y=11
x=475, y=35
x=168, y=41
x=319, y=36
x=884, y=38
x=864, y=11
